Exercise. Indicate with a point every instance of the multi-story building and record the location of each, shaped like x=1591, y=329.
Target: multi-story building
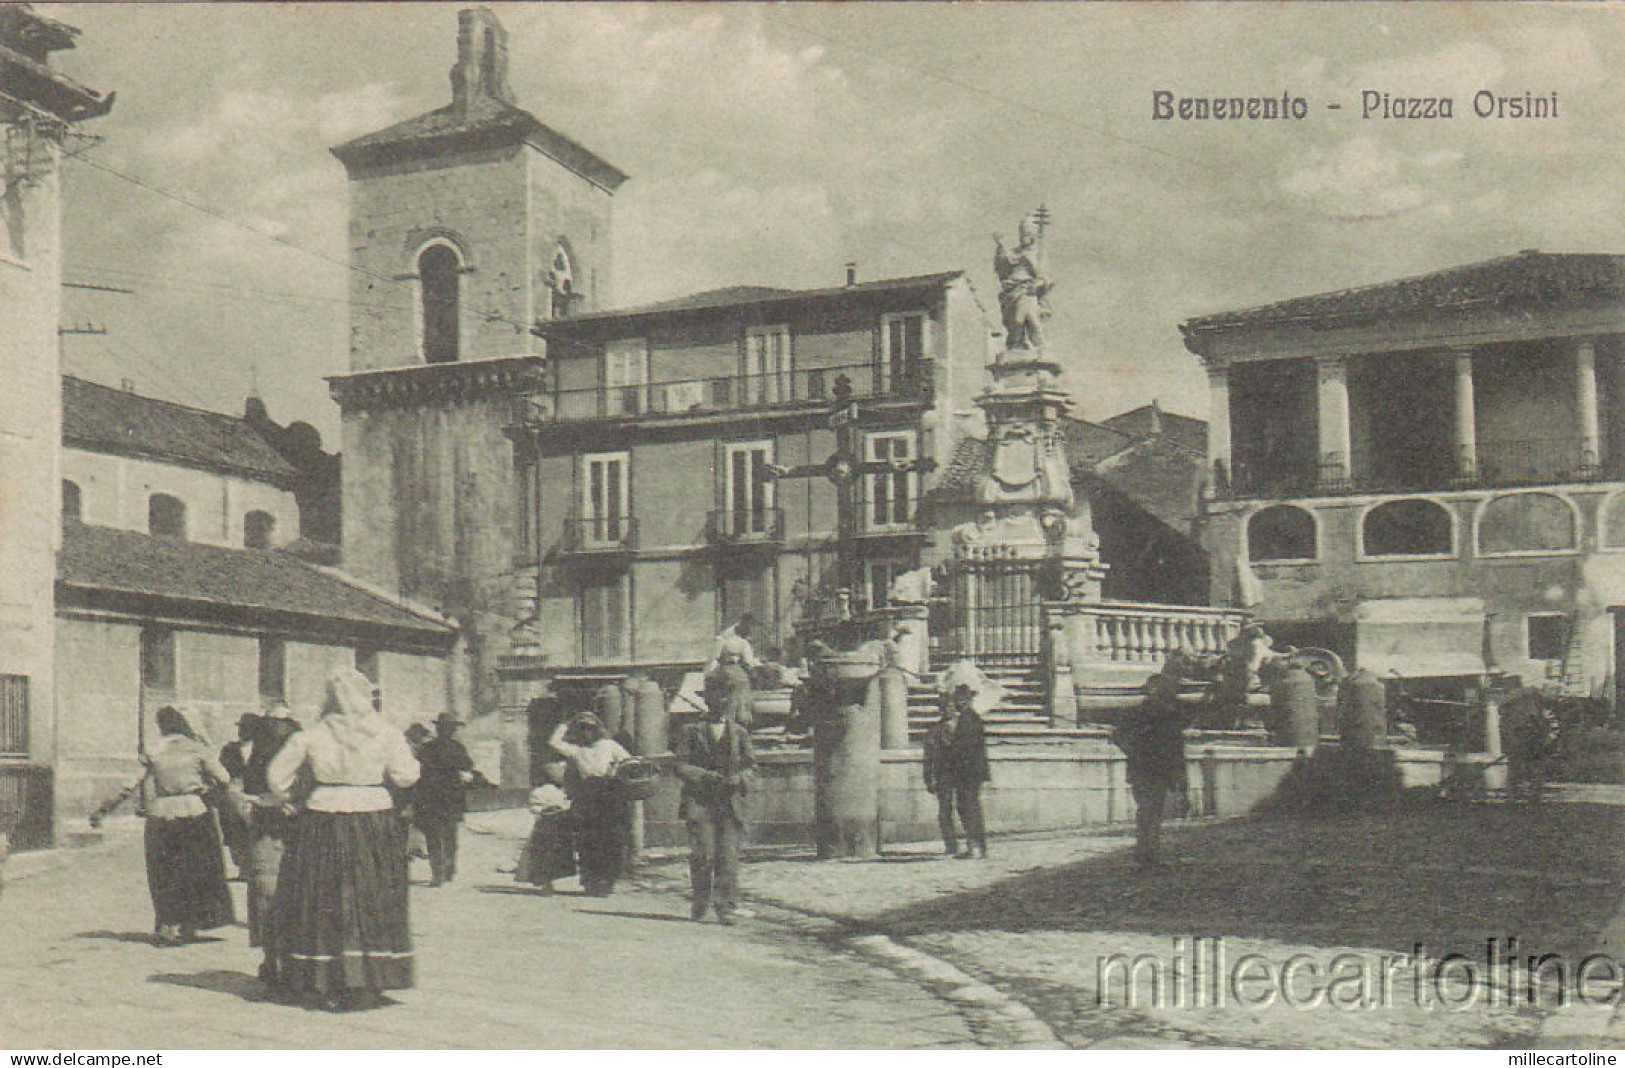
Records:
x=1428, y=475
x=673, y=467
x=39, y=109
x=467, y=224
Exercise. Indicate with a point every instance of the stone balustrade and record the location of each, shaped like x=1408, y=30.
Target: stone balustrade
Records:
x=1106, y=632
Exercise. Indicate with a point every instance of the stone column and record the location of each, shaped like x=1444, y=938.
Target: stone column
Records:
x=1332, y=390
x=846, y=756
x=892, y=689
x=1585, y=397
x=1062, y=683
x=1466, y=419
x=1218, y=423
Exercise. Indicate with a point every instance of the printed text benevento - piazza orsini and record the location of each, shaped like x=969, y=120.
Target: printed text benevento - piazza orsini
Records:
x=1374, y=105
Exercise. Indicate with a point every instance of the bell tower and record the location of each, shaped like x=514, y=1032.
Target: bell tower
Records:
x=468, y=224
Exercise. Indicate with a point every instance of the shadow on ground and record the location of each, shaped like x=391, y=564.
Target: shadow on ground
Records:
x=1448, y=876
x=220, y=981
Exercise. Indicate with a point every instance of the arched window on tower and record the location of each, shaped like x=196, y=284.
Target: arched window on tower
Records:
x=72, y=507
x=561, y=282
x=440, y=291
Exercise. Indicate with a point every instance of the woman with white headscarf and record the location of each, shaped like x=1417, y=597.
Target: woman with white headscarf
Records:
x=340, y=931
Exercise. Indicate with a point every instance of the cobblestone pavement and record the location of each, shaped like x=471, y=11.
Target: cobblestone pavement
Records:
x=498, y=968
x=1343, y=898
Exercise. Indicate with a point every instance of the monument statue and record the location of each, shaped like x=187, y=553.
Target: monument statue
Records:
x=1023, y=289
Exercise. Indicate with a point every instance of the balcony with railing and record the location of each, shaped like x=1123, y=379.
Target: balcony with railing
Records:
x=800, y=387
x=606, y=535
x=762, y=526
x=1491, y=464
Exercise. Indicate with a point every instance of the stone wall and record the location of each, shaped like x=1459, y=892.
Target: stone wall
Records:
x=1332, y=586
x=506, y=211
x=114, y=491
x=1035, y=787
x=429, y=514
x=100, y=731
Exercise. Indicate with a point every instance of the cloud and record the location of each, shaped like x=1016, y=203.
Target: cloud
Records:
x=1459, y=67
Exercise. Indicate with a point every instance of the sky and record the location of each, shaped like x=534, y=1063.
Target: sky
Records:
x=770, y=144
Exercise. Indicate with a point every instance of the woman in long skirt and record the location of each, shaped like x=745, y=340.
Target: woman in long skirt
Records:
x=549, y=852
x=270, y=821
x=186, y=872
x=341, y=930
x=599, y=804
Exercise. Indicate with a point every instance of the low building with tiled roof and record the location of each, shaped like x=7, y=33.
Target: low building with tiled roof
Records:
x=141, y=463
x=145, y=621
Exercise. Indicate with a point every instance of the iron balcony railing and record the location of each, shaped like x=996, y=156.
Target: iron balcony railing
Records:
x=1494, y=463
x=753, y=526
x=736, y=392
x=601, y=535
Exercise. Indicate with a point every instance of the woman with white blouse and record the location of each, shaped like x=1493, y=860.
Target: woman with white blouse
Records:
x=340, y=931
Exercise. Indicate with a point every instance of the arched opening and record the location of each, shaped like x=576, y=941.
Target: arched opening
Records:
x=166, y=516
x=439, y=286
x=1613, y=523
x=258, y=527
x=71, y=504
x=561, y=282
x=1527, y=522
x=1413, y=527
x=1281, y=532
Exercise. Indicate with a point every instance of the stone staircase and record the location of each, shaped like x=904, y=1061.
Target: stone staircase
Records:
x=1022, y=713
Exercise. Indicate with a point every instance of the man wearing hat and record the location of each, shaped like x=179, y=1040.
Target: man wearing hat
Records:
x=438, y=799
x=1152, y=737
x=715, y=762
x=955, y=767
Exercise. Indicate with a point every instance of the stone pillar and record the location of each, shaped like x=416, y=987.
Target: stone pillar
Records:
x=1063, y=694
x=1218, y=424
x=914, y=644
x=1466, y=419
x=891, y=685
x=846, y=756
x=1332, y=391
x=1585, y=397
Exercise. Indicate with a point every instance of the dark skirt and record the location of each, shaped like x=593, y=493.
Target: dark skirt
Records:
x=549, y=852
x=267, y=835
x=603, y=824
x=186, y=873
x=340, y=920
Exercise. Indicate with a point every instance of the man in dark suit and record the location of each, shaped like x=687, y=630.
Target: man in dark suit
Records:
x=1153, y=739
x=715, y=762
x=956, y=768
x=439, y=799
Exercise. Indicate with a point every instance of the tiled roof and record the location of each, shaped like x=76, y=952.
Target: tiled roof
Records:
x=745, y=296
x=1527, y=279
x=103, y=419
x=1160, y=472
x=1160, y=476
x=484, y=117
x=1150, y=419
x=216, y=580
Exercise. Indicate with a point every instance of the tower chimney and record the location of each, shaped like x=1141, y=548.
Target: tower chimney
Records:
x=851, y=272
x=1156, y=416
x=481, y=72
